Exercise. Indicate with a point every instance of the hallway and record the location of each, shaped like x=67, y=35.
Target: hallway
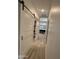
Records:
x=39, y=29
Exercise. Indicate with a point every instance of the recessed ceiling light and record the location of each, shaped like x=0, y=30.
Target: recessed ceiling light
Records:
x=42, y=10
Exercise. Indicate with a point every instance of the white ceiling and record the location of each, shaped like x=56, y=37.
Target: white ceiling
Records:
x=37, y=5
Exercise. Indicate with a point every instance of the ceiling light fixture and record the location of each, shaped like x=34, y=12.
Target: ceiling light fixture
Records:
x=42, y=10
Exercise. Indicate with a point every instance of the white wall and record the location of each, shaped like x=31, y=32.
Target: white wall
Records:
x=53, y=43
x=26, y=29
